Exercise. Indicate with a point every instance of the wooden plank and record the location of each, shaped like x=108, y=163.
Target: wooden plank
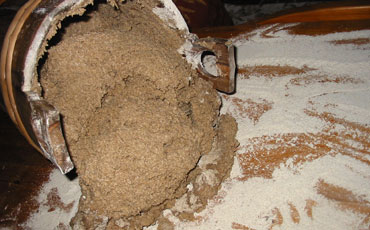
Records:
x=315, y=20
x=22, y=173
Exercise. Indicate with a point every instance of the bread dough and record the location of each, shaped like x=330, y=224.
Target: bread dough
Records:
x=137, y=119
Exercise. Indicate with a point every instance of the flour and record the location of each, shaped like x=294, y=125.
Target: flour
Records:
x=50, y=214
x=169, y=13
x=251, y=203
x=318, y=118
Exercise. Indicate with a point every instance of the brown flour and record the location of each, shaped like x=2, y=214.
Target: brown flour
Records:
x=136, y=118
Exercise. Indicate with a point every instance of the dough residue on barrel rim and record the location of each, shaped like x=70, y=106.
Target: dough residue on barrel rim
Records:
x=140, y=125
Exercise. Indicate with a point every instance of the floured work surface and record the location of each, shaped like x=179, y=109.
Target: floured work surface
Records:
x=303, y=112
x=139, y=123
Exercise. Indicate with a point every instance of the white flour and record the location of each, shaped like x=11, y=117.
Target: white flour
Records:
x=251, y=203
x=291, y=198
x=171, y=15
x=50, y=215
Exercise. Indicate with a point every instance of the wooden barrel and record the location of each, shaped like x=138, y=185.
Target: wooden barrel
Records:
x=23, y=44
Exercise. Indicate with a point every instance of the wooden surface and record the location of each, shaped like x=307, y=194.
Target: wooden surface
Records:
x=22, y=172
x=333, y=11
x=328, y=18
x=302, y=110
